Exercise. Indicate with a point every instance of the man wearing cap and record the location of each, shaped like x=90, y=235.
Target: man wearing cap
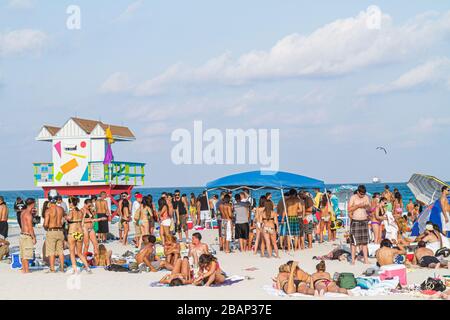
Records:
x=53, y=224
x=3, y=218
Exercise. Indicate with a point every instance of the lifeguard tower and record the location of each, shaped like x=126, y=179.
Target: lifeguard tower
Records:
x=79, y=164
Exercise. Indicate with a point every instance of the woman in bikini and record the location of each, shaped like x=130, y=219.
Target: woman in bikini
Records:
x=153, y=216
x=270, y=227
x=325, y=218
x=144, y=216
x=103, y=258
x=259, y=227
x=75, y=235
x=171, y=251
x=291, y=279
x=209, y=271
x=88, y=228
x=193, y=208
x=164, y=218
x=377, y=218
x=321, y=281
x=125, y=219
x=180, y=275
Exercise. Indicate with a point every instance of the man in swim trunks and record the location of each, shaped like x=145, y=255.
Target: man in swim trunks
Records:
x=388, y=255
x=3, y=218
x=242, y=226
x=294, y=209
x=203, y=208
x=197, y=248
x=102, y=210
x=135, y=212
x=27, y=239
x=445, y=211
x=181, y=209
x=226, y=211
x=358, y=206
x=426, y=259
x=54, y=242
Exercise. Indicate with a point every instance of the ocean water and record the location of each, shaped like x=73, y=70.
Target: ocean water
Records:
x=10, y=196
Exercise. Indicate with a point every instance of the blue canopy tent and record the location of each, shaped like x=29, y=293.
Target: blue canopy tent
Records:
x=431, y=213
x=257, y=180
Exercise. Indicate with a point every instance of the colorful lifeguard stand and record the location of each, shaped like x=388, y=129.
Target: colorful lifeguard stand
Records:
x=78, y=153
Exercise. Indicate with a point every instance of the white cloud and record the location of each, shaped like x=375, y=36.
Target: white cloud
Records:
x=21, y=4
x=116, y=83
x=24, y=41
x=338, y=48
x=430, y=124
x=433, y=72
x=130, y=10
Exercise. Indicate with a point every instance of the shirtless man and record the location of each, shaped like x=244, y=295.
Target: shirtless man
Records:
x=3, y=218
x=426, y=259
x=102, y=210
x=27, y=239
x=4, y=248
x=387, y=255
x=445, y=210
x=410, y=206
x=146, y=258
x=53, y=224
x=226, y=210
x=197, y=248
x=294, y=208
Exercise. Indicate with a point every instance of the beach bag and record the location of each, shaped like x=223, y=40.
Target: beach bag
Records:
x=346, y=281
x=443, y=252
x=365, y=283
x=433, y=284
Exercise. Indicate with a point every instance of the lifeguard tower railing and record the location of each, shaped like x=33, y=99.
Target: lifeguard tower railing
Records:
x=116, y=173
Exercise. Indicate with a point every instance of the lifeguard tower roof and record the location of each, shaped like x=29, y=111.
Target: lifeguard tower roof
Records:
x=76, y=127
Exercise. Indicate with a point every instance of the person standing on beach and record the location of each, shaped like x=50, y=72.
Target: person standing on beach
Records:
x=102, y=210
x=226, y=210
x=27, y=238
x=203, y=209
x=445, y=221
x=54, y=240
x=135, y=213
x=359, y=228
x=19, y=206
x=242, y=226
x=3, y=218
x=181, y=210
x=292, y=224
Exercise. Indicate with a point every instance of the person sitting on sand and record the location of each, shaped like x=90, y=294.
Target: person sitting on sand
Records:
x=146, y=258
x=291, y=279
x=4, y=249
x=210, y=271
x=180, y=275
x=103, y=258
x=197, y=248
x=321, y=281
x=171, y=250
x=424, y=257
x=388, y=255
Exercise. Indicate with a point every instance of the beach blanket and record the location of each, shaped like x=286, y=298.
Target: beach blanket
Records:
x=280, y=293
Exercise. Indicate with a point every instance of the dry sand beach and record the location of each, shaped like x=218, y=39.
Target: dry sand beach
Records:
x=103, y=284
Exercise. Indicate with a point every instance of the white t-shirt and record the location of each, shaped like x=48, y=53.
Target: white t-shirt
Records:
x=135, y=207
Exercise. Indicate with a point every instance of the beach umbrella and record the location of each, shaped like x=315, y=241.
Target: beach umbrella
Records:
x=426, y=188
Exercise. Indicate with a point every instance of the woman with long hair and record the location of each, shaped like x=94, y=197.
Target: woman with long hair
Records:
x=103, y=257
x=125, y=219
x=164, y=217
x=377, y=219
x=325, y=218
x=259, y=226
x=209, y=271
x=291, y=279
x=88, y=227
x=270, y=227
x=143, y=219
x=75, y=235
x=193, y=208
x=153, y=216
x=180, y=275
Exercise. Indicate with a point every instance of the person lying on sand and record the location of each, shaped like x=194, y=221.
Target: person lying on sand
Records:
x=180, y=275
x=388, y=255
x=337, y=254
x=424, y=257
x=210, y=271
x=291, y=279
x=321, y=281
x=147, y=257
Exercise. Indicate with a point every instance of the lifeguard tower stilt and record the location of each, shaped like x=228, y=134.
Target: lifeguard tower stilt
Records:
x=78, y=153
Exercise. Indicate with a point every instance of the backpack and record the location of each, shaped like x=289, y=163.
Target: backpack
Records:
x=433, y=284
x=346, y=281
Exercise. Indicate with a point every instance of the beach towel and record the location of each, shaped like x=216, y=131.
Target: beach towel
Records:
x=280, y=293
x=228, y=282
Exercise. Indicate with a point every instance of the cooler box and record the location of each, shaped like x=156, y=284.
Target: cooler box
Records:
x=215, y=224
x=410, y=256
x=394, y=270
x=190, y=224
x=372, y=249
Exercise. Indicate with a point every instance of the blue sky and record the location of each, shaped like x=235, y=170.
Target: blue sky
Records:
x=335, y=88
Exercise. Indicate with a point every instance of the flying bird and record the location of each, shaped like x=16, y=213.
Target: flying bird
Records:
x=382, y=149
